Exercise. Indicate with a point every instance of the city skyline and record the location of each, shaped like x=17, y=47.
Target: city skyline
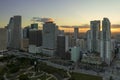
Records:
x=59, y=40
x=64, y=12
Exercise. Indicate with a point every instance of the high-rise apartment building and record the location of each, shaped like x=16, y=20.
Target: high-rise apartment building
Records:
x=10, y=32
x=50, y=31
x=76, y=32
x=35, y=37
x=3, y=39
x=95, y=35
x=14, y=32
x=88, y=40
x=106, y=41
x=26, y=32
x=34, y=26
x=62, y=45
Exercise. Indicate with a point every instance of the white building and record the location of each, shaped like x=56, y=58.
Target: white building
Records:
x=106, y=51
x=34, y=49
x=75, y=53
x=88, y=41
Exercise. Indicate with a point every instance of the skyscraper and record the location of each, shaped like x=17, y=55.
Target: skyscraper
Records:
x=95, y=34
x=75, y=53
x=14, y=32
x=88, y=41
x=50, y=31
x=35, y=37
x=10, y=32
x=76, y=32
x=106, y=41
x=62, y=45
x=34, y=26
x=26, y=32
x=3, y=39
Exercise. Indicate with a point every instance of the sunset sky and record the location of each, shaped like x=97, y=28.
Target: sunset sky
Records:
x=64, y=12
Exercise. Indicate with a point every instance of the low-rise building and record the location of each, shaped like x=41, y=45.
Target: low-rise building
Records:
x=75, y=53
x=91, y=59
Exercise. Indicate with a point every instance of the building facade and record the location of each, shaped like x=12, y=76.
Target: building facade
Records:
x=34, y=26
x=106, y=51
x=50, y=31
x=75, y=53
x=3, y=39
x=88, y=40
x=76, y=32
x=14, y=32
x=62, y=45
x=35, y=37
x=95, y=35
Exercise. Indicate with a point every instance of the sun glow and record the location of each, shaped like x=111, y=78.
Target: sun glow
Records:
x=84, y=30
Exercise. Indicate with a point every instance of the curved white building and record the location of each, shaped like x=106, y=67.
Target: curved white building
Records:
x=106, y=41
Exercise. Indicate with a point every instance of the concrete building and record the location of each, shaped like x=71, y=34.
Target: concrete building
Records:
x=50, y=31
x=106, y=51
x=117, y=37
x=61, y=32
x=26, y=32
x=92, y=59
x=14, y=32
x=75, y=54
x=3, y=39
x=95, y=35
x=62, y=45
x=76, y=32
x=32, y=49
x=72, y=41
x=88, y=40
x=113, y=45
x=10, y=32
x=24, y=44
x=81, y=43
x=35, y=37
x=34, y=26
x=35, y=41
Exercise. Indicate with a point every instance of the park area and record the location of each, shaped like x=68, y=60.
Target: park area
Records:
x=22, y=68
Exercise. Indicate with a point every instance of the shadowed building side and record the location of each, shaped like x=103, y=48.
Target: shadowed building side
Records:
x=3, y=39
x=14, y=32
x=50, y=32
x=106, y=51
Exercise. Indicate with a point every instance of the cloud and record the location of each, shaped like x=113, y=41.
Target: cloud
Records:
x=115, y=26
x=38, y=19
x=83, y=26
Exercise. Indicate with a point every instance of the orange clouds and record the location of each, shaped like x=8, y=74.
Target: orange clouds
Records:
x=114, y=28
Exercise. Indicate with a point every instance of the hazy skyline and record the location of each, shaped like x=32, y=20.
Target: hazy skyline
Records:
x=64, y=12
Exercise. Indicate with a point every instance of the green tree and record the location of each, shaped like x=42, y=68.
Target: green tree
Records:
x=23, y=77
x=111, y=78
